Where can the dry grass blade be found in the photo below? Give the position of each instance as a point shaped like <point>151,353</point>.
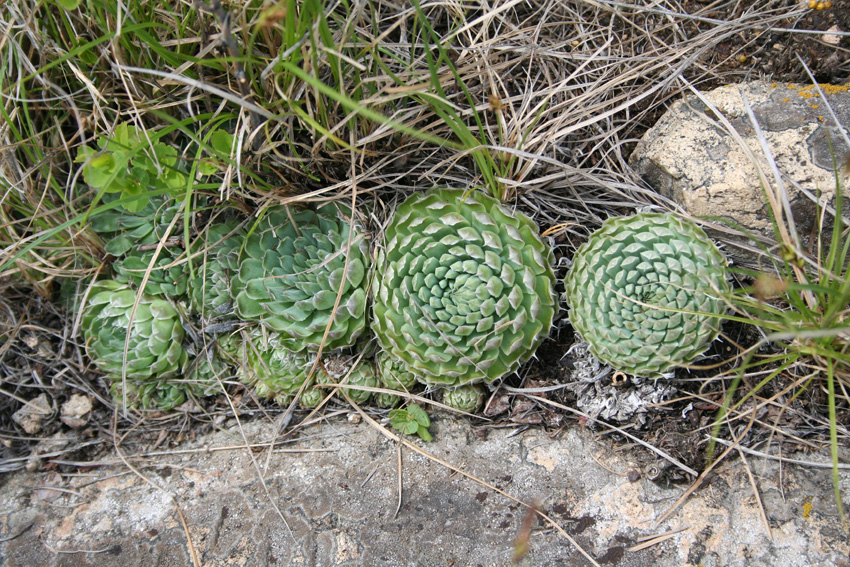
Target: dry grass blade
<point>649,541</point>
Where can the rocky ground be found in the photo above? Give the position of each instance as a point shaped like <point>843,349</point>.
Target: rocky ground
<point>337,489</point>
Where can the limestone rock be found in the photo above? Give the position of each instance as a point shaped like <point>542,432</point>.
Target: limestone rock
<point>32,415</point>
<point>691,158</point>
<point>76,411</point>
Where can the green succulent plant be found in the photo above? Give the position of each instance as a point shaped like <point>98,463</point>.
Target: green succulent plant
<point>167,278</point>
<point>463,291</point>
<point>384,400</point>
<point>466,398</point>
<point>163,395</point>
<point>204,374</point>
<point>210,291</point>
<point>646,292</point>
<point>123,230</point>
<point>275,372</point>
<point>363,374</point>
<point>393,373</point>
<point>311,398</point>
<point>292,268</point>
<point>154,350</point>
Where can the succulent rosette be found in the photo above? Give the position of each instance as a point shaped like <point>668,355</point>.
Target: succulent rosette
<point>646,292</point>
<point>393,373</point>
<point>292,268</point>
<point>275,373</point>
<point>386,401</point>
<point>162,395</point>
<point>363,374</point>
<point>463,290</point>
<point>154,339</point>
<point>124,230</point>
<point>167,277</point>
<point>210,291</point>
<point>466,398</point>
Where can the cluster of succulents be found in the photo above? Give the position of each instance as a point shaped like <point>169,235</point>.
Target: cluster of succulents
<point>279,288</point>
<point>462,292</point>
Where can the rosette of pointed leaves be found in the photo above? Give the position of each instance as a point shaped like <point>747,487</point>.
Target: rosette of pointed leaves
<point>293,266</point>
<point>163,395</point>
<point>210,291</point>
<point>311,398</point>
<point>167,276</point>
<point>124,230</point>
<point>204,375</point>
<point>385,400</point>
<point>275,373</point>
<point>463,289</point>
<point>645,292</point>
<point>363,374</point>
<point>466,398</point>
<point>153,340</point>
<point>393,373</point>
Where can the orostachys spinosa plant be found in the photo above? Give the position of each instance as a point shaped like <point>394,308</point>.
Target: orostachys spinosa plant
<point>646,293</point>
<point>294,264</point>
<point>463,290</point>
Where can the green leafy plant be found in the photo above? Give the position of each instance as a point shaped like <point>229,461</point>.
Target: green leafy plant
<point>167,276</point>
<point>210,291</point>
<point>802,305</point>
<point>393,373</point>
<point>647,292</point>
<point>131,162</point>
<point>411,420</point>
<point>272,370</point>
<point>123,230</point>
<point>463,290</point>
<point>154,339</point>
<point>295,265</point>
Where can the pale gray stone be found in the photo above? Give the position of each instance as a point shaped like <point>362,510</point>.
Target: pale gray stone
<point>32,415</point>
<point>691,157</point>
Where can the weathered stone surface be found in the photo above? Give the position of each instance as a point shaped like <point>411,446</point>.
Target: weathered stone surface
<point>338,496</point>
<point>32,415</point>
<point>76,411</point>
<point>690,157</point>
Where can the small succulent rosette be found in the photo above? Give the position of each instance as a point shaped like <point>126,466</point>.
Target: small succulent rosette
<point>646,293</point>
<point>275,372</point>
<point>154,339</point>
<point>292,268</point>
<point>210,291</point>
<point>155,357</point>
<point>463,290</point>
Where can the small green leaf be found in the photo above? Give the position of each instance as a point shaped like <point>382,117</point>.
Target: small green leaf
<point>419,416</point>
<point>424,434</point>
<point>222,142</point>
<point>411,427</point>
<point>207,168</point>
<point>98,171</point>
<point>136,205</point>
